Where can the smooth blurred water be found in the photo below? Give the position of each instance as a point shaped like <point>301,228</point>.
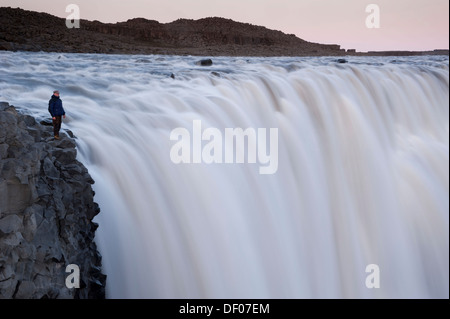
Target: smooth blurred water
<point>363,172</point>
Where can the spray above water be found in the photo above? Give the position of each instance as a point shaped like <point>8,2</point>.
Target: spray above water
<point>361,184</point>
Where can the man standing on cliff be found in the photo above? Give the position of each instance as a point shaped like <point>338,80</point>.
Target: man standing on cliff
<point>56,110</point>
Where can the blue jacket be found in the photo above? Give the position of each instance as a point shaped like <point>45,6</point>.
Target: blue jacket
<point>55,106</point>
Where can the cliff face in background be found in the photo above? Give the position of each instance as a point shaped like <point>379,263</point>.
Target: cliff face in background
<point>22,30</point>
<point>33,31</point>
<point>46,212</point>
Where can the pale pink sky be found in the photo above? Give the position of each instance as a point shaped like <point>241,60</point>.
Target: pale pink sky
<point>405,24</point>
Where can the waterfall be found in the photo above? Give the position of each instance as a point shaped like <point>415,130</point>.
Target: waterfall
<point>363,175</point>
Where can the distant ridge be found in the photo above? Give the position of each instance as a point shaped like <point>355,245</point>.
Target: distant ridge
<point>23,30</point>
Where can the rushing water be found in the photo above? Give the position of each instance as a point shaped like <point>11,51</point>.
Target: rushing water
<point>363,172</point>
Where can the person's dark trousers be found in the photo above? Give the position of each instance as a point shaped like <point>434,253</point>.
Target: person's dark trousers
<point>57,125</point>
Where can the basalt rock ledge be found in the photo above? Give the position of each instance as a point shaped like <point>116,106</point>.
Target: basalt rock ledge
<point>46,214</point>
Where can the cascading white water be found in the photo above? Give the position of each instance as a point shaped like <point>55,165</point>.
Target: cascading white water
<point>363,173</point>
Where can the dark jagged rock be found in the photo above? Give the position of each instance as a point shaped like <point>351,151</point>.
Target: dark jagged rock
<point>204,62</point>
<point>70,133</point>
<point>46,122</point>
<point>341,61</point>
<point>46,212</point>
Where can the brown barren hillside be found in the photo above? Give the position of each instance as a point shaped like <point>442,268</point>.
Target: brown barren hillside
<point>22,30</point>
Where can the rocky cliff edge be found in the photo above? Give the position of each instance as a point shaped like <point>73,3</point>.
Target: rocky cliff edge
<point>46,212</point>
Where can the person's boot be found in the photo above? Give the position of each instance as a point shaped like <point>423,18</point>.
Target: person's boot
<point>56,137</point>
